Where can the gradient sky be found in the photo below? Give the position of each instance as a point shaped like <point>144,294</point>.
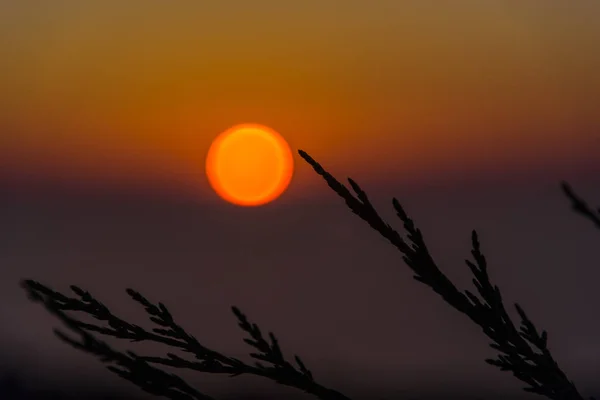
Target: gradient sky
<point>112,89</point>
<point>470,112</point>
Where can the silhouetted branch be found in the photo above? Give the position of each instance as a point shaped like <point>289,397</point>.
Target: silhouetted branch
<point>132,367</point>
<point>139,369</point>
<point>523,351</point>
<point>580,206</point>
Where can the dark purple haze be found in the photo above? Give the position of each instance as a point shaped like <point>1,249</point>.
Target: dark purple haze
<point>331,289</point>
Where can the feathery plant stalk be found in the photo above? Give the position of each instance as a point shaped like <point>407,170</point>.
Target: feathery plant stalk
<point>522,351</point>
<point>142,370</point>
<point>580,206</point>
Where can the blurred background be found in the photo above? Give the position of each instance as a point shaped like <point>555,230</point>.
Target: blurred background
<point>470,112</point>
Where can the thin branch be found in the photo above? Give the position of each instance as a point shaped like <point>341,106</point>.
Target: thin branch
<point>580,206</point>
<point>270,362</point>
<point>127,365</point>
<point>523,351</point>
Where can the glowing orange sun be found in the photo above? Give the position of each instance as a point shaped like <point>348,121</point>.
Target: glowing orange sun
<point>249,165</point>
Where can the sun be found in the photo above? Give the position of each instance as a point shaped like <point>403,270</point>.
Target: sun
<point>249,165</point>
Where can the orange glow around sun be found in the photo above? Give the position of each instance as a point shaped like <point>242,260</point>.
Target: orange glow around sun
<point>249,165</point>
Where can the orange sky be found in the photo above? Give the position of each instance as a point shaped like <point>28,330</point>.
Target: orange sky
<point>137,89</point>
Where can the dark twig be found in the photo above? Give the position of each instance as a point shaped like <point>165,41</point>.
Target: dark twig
<point>580,206</point>
<point>128,365</point>
<point>139,369</point>
<point>523,351</point>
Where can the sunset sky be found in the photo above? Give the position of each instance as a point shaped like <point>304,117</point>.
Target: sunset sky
<point>470,111</point>
<point>138,89</point>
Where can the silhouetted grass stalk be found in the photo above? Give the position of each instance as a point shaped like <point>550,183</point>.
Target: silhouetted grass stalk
<point>580,206</point>
<point>523,351</point>
<point>141,370</point>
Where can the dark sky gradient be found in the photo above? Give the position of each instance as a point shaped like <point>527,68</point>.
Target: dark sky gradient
<point>334,292</point>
